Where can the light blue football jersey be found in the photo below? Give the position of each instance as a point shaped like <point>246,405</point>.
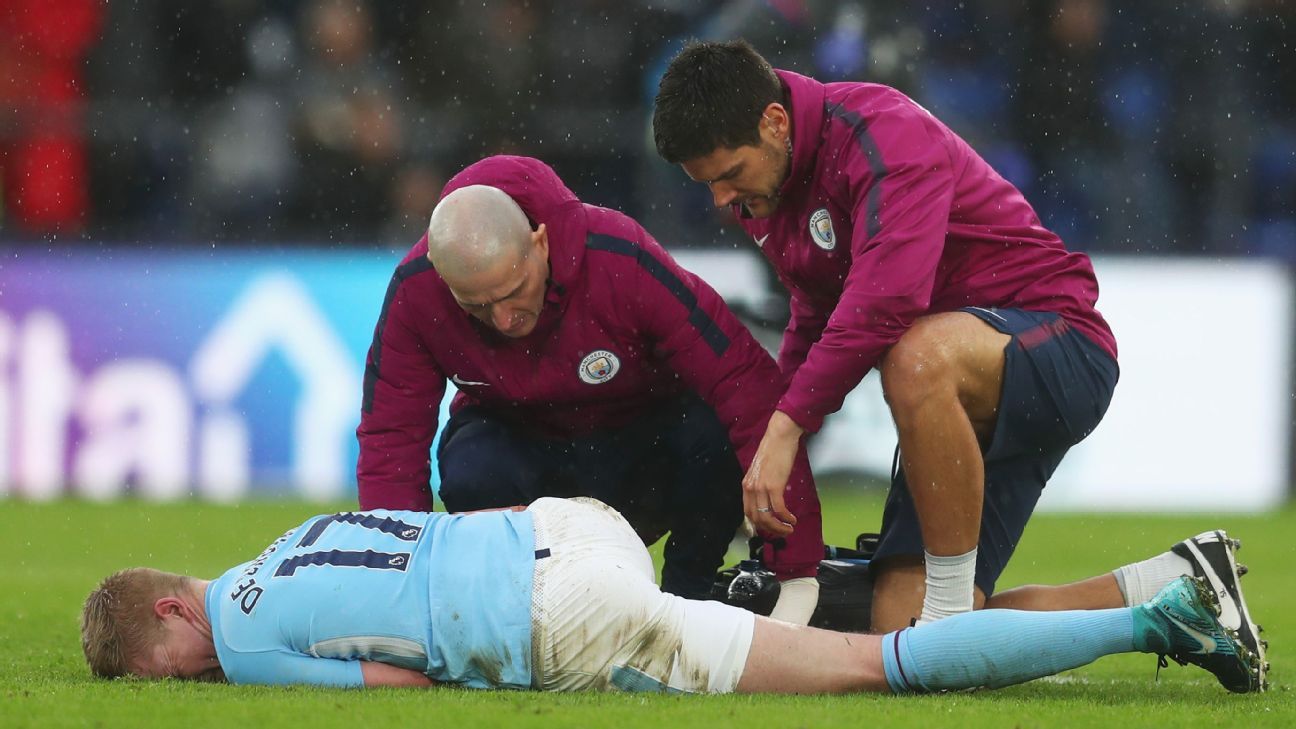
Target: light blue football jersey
<point>445,594</point>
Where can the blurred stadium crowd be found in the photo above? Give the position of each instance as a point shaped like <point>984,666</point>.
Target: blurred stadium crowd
<point>1157,126</point>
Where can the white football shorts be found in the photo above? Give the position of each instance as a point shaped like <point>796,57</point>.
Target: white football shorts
<point>599,621</point>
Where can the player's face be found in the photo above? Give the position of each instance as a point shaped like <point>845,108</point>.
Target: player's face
<point>184,652</point>
<point>750,175</point>
<point>509,296</point>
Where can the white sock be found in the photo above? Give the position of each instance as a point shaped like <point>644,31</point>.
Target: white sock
<point>798,598</point>
<point>949,586</point>
<point>1141,581</point>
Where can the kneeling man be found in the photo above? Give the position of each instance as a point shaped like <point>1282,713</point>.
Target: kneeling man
<point>588,363</point>
<point>559,596</point>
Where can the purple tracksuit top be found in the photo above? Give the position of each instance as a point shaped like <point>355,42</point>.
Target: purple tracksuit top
<point>887,215</point>
<point>623,329</point>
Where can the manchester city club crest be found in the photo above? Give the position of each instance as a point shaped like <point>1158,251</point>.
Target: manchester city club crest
<point>598,367</point>
<point>821,230</point>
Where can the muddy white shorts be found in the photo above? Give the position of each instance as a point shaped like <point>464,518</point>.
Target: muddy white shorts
<point>599,622</point>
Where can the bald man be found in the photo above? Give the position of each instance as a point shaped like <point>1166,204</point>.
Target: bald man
<point>587,363</point>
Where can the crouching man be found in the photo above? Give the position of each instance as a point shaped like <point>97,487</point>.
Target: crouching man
<point>559,596</point>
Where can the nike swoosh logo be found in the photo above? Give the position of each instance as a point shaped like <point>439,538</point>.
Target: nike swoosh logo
<point>761,240</point>
<point>1206,642</point>
<point>991,313</point>
<point>455,379</point>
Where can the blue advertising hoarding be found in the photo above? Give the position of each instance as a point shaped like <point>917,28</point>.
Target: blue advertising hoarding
<point>225,374</point>
<point>164,374</point>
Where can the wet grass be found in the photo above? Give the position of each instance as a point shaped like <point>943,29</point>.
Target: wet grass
<point>54,553</point>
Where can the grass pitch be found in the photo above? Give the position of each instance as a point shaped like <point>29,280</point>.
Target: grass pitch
<point>55,553</point>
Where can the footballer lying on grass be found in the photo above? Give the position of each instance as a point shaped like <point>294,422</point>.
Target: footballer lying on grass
<point>559,596</point>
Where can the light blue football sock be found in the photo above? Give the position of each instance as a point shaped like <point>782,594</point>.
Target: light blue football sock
<point>1001,647</point>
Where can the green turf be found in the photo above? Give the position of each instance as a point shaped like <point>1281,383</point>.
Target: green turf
<point>54,553</point>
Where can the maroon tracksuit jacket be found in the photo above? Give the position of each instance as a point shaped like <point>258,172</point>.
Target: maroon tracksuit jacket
<point>888,215</point>
<point>613,290</point>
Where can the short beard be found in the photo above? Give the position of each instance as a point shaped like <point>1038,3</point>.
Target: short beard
<point>781,176</point>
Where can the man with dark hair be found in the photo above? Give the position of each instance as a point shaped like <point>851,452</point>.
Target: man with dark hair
<point>588,363</point>
<point>903,250</point>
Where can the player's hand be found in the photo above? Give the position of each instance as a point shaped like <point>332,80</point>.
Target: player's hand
<point>767,478</point>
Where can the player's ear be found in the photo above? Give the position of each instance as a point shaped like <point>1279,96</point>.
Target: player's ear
<point>165,607</point>
<point>540,239</point>
<point>775,122</point>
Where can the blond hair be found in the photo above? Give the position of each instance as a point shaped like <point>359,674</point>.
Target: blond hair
<point>118,624</point>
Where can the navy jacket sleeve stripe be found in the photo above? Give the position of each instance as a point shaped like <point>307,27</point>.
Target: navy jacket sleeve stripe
<point>410,268</point>
<point>711,333</point>
<point>870,149</point>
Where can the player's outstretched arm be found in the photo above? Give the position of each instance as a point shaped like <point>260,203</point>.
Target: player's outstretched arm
<point>381,674</point>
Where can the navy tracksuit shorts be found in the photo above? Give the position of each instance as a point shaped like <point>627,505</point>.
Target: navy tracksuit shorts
<point>671,470</point>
